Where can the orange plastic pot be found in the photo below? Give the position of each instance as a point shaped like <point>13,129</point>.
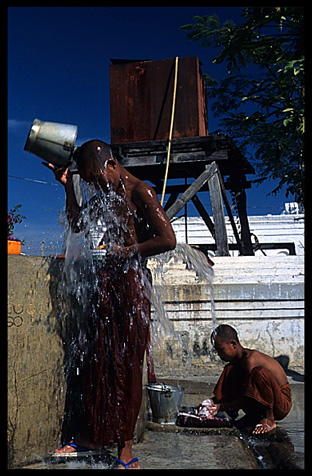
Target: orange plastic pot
<point>14,247</point>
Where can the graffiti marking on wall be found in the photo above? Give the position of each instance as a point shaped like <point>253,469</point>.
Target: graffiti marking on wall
<point>14,315</point>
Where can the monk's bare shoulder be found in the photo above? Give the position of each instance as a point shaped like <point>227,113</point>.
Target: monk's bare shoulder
<point>144,193</point>
<point>255,358</point>
<point>145,198</point>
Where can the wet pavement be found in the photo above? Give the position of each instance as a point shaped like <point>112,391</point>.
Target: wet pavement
<point>172,447</point>
<point>193,451</point>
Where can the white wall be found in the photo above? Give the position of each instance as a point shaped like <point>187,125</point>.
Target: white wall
<point>262,297</point>
<point>267,228</point>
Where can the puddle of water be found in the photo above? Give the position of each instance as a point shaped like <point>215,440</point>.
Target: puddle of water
<point>293,424</point>
<point>67,465</point>
<point>296,435</point>
<point>98,462</point>
<point>176,451</point>
<point>193,451</point>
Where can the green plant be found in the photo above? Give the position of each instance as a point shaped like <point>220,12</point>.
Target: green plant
<point>262,98</point>
<point>14,217</point>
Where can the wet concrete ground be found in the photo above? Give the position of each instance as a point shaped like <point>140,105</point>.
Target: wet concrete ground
<point>171,447</point>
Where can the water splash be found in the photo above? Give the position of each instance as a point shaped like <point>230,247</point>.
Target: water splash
<point>80,280</point>
<point>197,261</point>
<point>194,260</point>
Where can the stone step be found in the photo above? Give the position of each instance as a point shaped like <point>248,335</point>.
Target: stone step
<point>228,262</point>
<point>231,291</point>
<point>238,270</point>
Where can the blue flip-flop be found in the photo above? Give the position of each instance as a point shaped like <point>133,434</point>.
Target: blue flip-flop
<point>78,448</point>
<point>126,465</point>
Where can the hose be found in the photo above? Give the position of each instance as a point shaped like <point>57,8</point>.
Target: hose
<point>171,128</point>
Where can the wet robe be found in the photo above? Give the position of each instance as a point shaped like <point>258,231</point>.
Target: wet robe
<point>112,358</point>
<point>260,386</point>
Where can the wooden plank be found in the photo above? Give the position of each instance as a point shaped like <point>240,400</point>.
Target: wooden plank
<point>199,156</point>
<point>202,148</point>
<point>191,191</point>
<point>160,159</point>
<point>215,141</point>
<point>243,218</point>
<point>174,195</point>
<point>203,213</point>
<point>230,214</point>
<point>218,214</point>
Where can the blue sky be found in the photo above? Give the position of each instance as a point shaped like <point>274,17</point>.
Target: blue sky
<point>58,70</point>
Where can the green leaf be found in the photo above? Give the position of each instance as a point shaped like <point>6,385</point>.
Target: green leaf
<point>287,121</point>
<point>266,70</point>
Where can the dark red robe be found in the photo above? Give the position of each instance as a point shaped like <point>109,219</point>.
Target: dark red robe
<point>111,370</point>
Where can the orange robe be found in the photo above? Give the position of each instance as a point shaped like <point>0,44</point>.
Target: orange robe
<point>260,386</point>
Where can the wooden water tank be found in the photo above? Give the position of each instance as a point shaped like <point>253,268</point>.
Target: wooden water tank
<point>141,100</point>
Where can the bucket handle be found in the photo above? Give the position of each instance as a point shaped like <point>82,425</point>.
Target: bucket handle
<point>168,393</point>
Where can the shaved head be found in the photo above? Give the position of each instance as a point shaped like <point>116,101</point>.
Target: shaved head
<point>225,332</point>
<point>93,155</point>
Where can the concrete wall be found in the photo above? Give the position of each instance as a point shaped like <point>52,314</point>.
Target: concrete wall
<point>36,385</point>
<point>262,297</point>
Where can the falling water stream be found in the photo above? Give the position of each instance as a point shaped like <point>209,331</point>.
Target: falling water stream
<point>82,260</point>
<point>187,259</point>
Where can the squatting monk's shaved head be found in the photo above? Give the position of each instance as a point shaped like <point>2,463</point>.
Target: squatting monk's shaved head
<point>225,332</point>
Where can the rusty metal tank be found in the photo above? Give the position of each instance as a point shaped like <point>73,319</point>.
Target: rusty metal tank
<point>141,100</point>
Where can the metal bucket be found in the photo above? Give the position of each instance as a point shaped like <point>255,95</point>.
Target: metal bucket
<point>165,402</point>
<point>52,141</point>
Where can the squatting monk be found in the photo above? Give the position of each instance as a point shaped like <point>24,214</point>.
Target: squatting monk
<point>117,330</point>
<point>251,381</point>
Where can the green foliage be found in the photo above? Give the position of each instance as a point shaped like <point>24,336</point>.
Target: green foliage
<point>13,218</point>
<point>261,101</point>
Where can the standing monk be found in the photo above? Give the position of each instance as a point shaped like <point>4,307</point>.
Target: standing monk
<point>117,329</point>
